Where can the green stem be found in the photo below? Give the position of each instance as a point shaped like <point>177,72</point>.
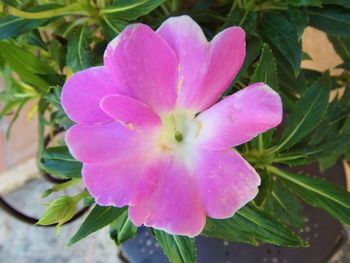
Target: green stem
<point>110,24</point>
<point>270,6</point>
<point>41,130</point>
<point>165,9</point>
<point>74,24</point>
<point>60,187</point>
<point>80,196</point>
<point>73,9</point>
<point>261,144</point>
<point>288,158</point>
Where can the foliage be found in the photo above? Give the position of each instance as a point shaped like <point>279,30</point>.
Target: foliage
<point>42,44</point>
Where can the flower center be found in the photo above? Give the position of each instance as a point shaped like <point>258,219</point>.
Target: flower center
<point>178,136</point>
<point>179,128</point>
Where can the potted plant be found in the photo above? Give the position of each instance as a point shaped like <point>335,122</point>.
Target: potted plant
<point>148,114</point>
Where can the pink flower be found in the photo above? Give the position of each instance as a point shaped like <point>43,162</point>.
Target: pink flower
<point>149,135</point>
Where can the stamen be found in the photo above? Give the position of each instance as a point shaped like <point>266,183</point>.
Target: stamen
<point>178,136</point>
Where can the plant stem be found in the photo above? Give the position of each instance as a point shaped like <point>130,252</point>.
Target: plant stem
<point>73,9</point>
<point>288,158</point>
<point>261,144</point>
<point>165,9</point>
<point>80,196</point>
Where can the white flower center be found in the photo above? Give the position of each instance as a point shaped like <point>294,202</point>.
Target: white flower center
<point>180,130</point>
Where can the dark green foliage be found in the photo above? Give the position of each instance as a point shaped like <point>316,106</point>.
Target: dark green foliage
<point>179,249</point>
<point>308,112</point>
<point>252,225</point>
<point>318,193</point>
<point>99,217</point>
<point>59,162</point>
<point>334,21</point>
<point>282,36</point>
<point>122,229</point>
<point>44,44</point>
<point>79,54</point>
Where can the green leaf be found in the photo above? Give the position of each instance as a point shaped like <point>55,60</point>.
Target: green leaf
<point>344,3</point>
<point>309,154</point>
<point>305,2</point>
<point>122,229</point>
<point>330,160</point>
<point>341,46</point>
<point>266,70</point>
<point>345,65</point>
<point>179,249</point>
<point>26,65</point>
<point>309,110</point>
<point>291,86</point>
<point>131,9</point>
<point>243,18</point>
<point>79,55</point>
<point>299,18</point>
<point>59,162</point>
<point>332,20</point>
<point>99,217</point>
<point>282,37</point>
<point>11,26</point>
<point>112,26</point>
<point>284,205</point>
<point>253,226</point>
<point>53,96</point>
<point>252,52</point>
<point>58,54</point>
<point>318,193</point>
<point>265,188</point>
<point>35,39</point>
<point>20,59</point>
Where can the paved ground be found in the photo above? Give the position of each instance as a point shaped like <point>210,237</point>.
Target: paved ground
<point>22,243</point>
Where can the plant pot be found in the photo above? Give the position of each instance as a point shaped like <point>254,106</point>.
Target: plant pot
<point>325,234</point>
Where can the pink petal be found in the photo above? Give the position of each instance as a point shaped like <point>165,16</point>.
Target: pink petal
<point>145,66</point>
<point>82,92</point>
<point>192,49</point>
<point>240,117</point>
<point>205,69</point>
<point>125,180</point>
<point>174,207</point>
<point>226,182</point>
<point>104,142</point>
<point>129,111</point>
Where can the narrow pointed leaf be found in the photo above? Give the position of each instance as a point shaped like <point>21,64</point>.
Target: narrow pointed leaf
<point>79,54</point>
<point>284,205</point>
<point>309,110</point>
<point>341,46</point>
<point>309,154</point>
<point>11,26</point>
<point>59,162</point>
<point>282,37</point>
<point>266,71</point>
<point>131,9</point>
<point>318,193</point>
<point>332,20</point>
<point>179,249</point>
<point>99,217</point>
<point>253,226</point>
<point>345,3</point>
<point>21,60</point>
<point>122,229</point>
